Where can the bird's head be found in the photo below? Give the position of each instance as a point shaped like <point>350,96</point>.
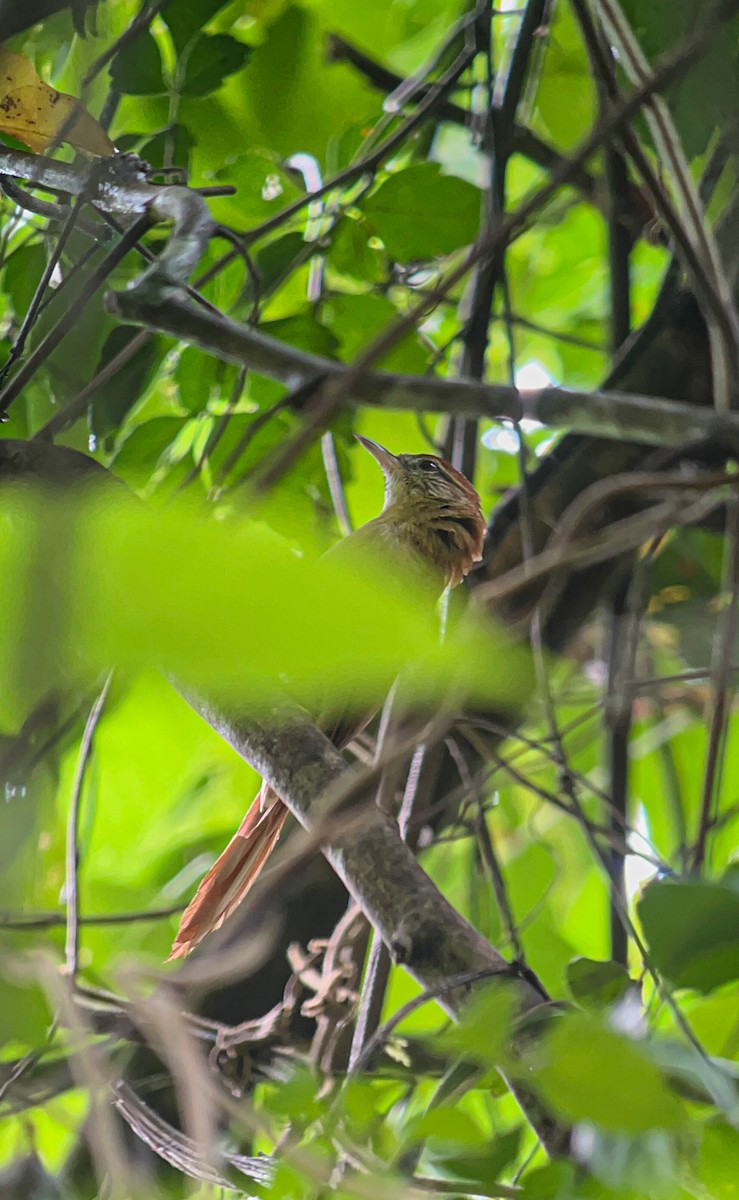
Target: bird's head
<point>430,491</point>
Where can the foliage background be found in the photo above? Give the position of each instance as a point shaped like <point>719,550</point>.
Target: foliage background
<point>647,1070</point>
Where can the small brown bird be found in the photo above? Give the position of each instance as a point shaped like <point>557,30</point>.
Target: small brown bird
<point>432,520</point>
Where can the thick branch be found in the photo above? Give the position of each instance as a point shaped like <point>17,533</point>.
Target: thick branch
<point>397,896</point>
<point>419,926</point>
<point>630,417</point>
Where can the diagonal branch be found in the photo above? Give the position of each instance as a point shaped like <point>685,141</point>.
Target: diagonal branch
<point>419,926</point>
<point>631,417</point>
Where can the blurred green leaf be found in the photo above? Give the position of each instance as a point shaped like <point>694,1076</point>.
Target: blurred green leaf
<point>137,67</point>
<point>296,1098</point>
<point>170,146</point>
<point>111,404</point>
<point>484,1026</point>
<point>290,100</point>
<point>21,274</point>
<point>274,261</point>
<point>702,99</point>
<point>420,213</point>
<point>263,188</point>
<point>211,59</point>
<point>479,1173</point>
<point>140,453</point>
<point>443,1127</point>
<point>692,929</point>
<point>185,21</point>
<point>557,1179</point>
<point>25,1015</point>
<point>597,984</point>
<point>305,332</point>
<point>566,72</point>
<point>195,377</point>
<point>586,1072</point>
<point>351,253</point>
<point>358,320</point>
<point>144,581</point>
<point>718,1164</point>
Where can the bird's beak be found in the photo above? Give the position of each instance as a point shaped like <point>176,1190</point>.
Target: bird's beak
<point>388,462</point>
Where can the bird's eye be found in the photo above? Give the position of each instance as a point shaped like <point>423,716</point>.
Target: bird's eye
<point>427,465</point>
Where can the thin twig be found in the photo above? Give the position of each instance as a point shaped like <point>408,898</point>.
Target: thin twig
<point>720,674</point>
<point>71,885</point>
<point>27,922</point>
<point>335,486</point>
<point>66,322</point>
<point>142,21</point>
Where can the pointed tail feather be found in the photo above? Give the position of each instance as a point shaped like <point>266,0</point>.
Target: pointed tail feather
<point>233,873</point>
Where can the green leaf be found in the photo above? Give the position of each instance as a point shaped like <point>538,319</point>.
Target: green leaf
<point>147,579</point>
<point>171,146</point>
<point>484,1026</point>
<point>444,1127</point>
<point>635,1168</point>
<point>351,253</point>
<point>23,270</point>
<point>305,332</point>
<point>111,404</point>
<point>263,188</point>
<point>291,101</point>
<point>142,450</point>
<point>137,67</point>
<point>296,1098</point>
<point>194,375</point>
<point>274,262</point>
<point>692,928</point>
<point>358,320</point>
<point>24,1011</point>
<point>420,213</point>
<point>586,1072</point>
<point>597,984</point>
<point>365,1101</point>
<point>185,21</point>
<point>565,97</point>
<point>705,99</point>
<point>210,61</point>
<point>483,1170</point>
<point>556,1181</point>
<point>718,1164</point>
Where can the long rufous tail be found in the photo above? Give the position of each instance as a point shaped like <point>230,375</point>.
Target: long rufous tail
<point>233,873</point>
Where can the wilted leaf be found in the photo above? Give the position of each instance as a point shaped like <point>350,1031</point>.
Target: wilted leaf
<point>39,116</point>
<point>692,927</point>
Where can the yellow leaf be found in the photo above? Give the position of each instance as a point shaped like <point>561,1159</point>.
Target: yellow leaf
<point>38,115</point>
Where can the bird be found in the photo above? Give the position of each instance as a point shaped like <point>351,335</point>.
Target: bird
<point>432,522</point>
